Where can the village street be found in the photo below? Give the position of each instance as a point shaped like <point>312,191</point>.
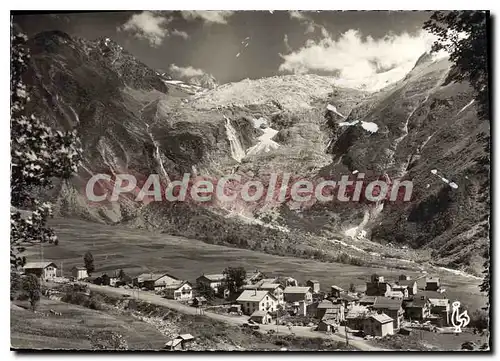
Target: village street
<point>234,320</point>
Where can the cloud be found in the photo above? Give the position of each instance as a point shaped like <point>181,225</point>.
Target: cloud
<point>180,72</point>
<point>209,16</point>
<point>287,45</point>
<point>180,33</point>
<point>149,26</point>
<point>309,23</point>
<point>359,61</point>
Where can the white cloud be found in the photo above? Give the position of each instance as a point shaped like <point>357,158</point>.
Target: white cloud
<point>310,24</point>
<point>180,33</point>
<point>209,16</point>
<point>365,63</point>
<point>148,26</point>
<point>180,72</point>
<point>295,14</point>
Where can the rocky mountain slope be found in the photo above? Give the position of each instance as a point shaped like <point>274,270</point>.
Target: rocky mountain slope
<point>132,119</point>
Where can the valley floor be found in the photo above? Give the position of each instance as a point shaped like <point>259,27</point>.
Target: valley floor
<point>137,251</point>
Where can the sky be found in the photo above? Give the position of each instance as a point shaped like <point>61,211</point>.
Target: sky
<point>352,45</point>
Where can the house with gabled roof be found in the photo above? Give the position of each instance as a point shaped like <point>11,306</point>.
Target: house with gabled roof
<point>154,281</point>
<point>378,324</point>
<point>45,270</point>
<point>257,300</point>
<point>314,285</point>
<point>179,291</point>
<point>297,294</point>
<point>335,291</point>
<point>214,281</point>
<point>276,289</point>
<point>418,308</point>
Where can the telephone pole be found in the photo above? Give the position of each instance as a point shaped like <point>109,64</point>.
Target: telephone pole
<point>346,336</point>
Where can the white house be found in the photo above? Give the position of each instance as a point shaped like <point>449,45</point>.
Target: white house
<point>180,291</point>
<point>79,272</point>
<point>257,300</point>
<point>213,281</point>
<point>275,289</point>
<point>44,270</point>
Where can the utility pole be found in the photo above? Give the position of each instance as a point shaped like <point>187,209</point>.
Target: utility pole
<point>346,336</point>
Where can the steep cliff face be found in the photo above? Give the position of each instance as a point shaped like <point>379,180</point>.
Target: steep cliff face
<point>127,118</point>
<point>428,130</point>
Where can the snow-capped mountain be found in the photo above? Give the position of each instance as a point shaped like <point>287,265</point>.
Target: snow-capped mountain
<point>137,120</point>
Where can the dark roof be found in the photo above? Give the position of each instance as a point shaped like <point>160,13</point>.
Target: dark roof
<point>387,303</point>
<point>406,282</point>
<point>417,302</point>
<point>432,294</point>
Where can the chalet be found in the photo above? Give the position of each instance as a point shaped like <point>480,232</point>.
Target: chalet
<point>79,273</point>
<point>322,307</point>
<point>327,325</point>
<point>179,291</point>
<point>154,281</point>
<point>377,286</point>
<point>355,317</point>
<point>367,300</point>
<point>432,284</point>
<point>411,286</point>
<point>378,325</point>
<point>391,307</point>
<point>335,291</point>
<point>44,270</point>
<point>262,317</point>
<point>254,277</point>
<point>404,278</point>
<point>441,308</point>
<point>337,313</point>
<point>214,281</point>
<point>314,285</point>
<point>417,309</point>
<point>276,289</point>
<point>296,294</point>
<point>180,342</point>
<point>253,300</point>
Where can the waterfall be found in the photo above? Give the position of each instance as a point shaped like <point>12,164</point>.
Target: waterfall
<point>157,155</point>
<point>237,151</point>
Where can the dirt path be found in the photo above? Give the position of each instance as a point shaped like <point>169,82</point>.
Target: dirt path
<point>233,320</point>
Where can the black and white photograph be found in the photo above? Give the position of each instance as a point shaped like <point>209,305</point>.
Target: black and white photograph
<point>236,180</point>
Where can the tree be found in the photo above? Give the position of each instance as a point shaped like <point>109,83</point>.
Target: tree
<point>485,285</point>
<point>88,260</point>
<point>31,286</point>
<point>121,275</point>
<point>352,288</point>
<point>464,35</point>
<point>38,155</point>
<point>205,291</point>
<point>234,278</point>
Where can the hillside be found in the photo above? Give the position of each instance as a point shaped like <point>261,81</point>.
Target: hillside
<point>132,119</point>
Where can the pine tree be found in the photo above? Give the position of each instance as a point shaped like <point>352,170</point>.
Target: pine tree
<point>88,260</point>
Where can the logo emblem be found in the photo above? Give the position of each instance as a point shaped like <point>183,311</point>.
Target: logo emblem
<point>458,320</point>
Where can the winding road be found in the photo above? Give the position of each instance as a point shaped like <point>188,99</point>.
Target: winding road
<point>300,331</point>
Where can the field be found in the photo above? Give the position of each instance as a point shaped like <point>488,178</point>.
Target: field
<point>43,330</point>
<point>136,251</point>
